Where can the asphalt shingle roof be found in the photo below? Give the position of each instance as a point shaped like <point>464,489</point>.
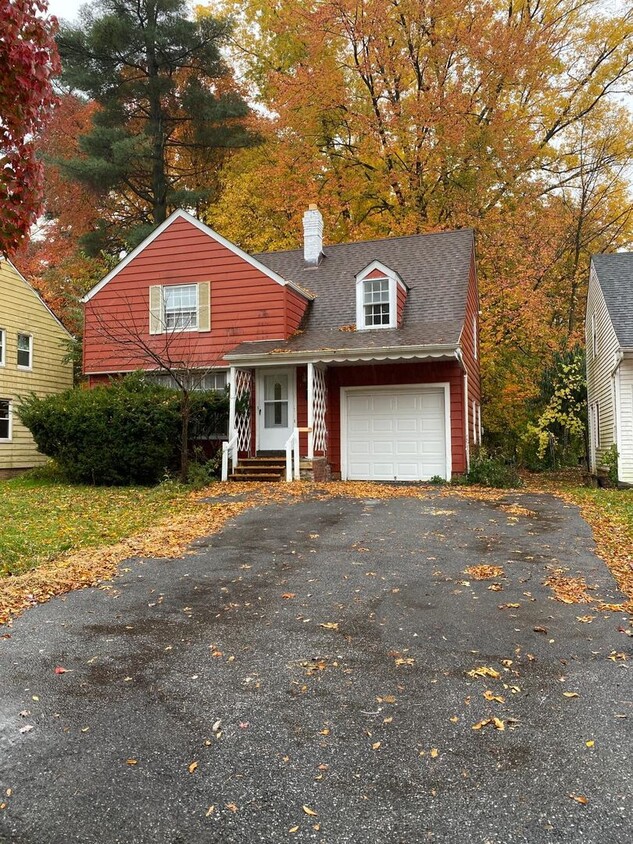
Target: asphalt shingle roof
<point>435,268</point>
<point>615,276</point>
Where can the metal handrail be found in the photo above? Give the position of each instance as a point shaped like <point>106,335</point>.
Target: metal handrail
<point>229,445</point>
<point>292,450</point>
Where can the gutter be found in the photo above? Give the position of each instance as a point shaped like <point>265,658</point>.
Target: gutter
<point>334,355</point>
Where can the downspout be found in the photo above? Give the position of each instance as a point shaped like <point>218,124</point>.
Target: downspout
<point>460,359</point>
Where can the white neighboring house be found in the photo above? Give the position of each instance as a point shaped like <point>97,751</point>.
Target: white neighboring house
<point>609,337</point>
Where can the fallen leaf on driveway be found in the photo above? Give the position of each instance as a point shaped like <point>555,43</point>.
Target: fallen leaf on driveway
<point>210,811</point>
<point>310,811</point>
<point>490,696</point>
<point>571,694</point>
<point>375,745</point>
<point>497,723</point>
<point>26,728</point>
<point>131,761</point>
<point>579,798</point>
<point>434,753</point>
<point>386,699</point>
<point>288,595</point>
<point>193,767</point>
<point>231,807</point>
<point>329,625</point>
<point>539,629</point>
<point>484,572</point>
<point>216,726</point>
<point>614,656</point>
<point>585,619</point>
<point>590,743</point>
<point>484,671</point>
<point>60,670</point>
<point>293,829</point>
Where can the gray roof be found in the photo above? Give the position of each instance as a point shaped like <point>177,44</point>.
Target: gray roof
<point>434,267</point>
<point>615,276</point>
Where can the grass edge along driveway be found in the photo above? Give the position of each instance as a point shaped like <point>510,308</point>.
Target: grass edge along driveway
<point>58,537</point>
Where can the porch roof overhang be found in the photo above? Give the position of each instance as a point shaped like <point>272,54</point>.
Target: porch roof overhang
<point>446,352</point>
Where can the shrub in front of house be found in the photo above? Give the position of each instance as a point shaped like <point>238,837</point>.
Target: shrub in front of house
<point>487,469</point>
<point>127,432</point>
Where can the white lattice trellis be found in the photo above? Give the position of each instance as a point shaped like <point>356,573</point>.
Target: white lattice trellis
<point>243,387</point>
<point>319,404</point>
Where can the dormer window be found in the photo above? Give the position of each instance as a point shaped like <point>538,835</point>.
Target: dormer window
<point>376,302</point>
<point>380,295</point>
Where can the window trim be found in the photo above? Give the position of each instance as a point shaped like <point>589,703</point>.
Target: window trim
<point>157,311</point>
<point>394,280</point>
<point>10,409</point>
<point>163,307</point>
<point>3,347</point>
<point>20,366</point>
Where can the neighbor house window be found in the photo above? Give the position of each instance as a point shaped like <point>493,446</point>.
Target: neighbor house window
<point>5,420</point>
<point>25,351</point>
<point>376,297</point>
<point>3,346</point>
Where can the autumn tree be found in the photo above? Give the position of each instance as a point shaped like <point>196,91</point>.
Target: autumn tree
<point>405,116</point>
<point>167,110</point>
<point>28,63</point>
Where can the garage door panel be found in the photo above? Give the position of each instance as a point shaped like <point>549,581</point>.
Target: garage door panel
<point>396,434</point>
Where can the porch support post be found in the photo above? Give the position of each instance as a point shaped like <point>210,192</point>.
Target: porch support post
<point>231,402</point>
<point>310,411</point>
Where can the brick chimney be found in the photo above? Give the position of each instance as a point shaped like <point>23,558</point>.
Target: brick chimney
<point>312,236</point>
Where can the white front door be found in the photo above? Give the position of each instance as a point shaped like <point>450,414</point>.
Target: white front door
<point>276,408</point>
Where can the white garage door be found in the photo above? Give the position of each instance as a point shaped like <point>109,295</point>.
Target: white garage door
<point>395,435</point>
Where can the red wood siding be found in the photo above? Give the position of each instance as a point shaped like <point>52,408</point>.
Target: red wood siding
<point>245,303</point>
<point>471,362</point>
<point>374,274</point>
<point>401,294</point>
<point>295,309</point>
<point>302,407</point>
<point>394,374</point>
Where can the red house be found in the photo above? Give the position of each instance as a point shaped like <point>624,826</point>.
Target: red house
<point>360,357</point>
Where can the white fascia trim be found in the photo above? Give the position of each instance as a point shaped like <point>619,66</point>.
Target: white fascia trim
<point>378,265</point>
<point>219,368</point>
<point>180,214</point>
<point>37,295</point>
<point>346,355</point>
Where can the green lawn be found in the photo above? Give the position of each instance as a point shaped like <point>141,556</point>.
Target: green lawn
<point>41,517</point>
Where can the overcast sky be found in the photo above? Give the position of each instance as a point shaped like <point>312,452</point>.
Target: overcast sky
<point>64,9</point>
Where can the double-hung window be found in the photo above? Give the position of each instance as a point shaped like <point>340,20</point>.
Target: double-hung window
<point>25,351</point>
<point>5,420</point>
<point>376,302</point>
<point>3,347</point>
<point>180,303</point>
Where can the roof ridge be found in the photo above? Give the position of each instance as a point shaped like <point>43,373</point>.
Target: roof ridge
<point>371,240</point>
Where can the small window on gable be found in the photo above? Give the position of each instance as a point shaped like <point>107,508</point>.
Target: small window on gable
<point>376,298</point>
<point>175,308</point>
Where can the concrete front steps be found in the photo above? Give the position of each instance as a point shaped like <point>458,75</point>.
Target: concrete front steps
<point>271,469</point>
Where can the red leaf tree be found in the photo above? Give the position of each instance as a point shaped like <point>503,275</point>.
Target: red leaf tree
<point>28,63</point>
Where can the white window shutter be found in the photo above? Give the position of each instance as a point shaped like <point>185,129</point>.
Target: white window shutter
<point>204,306</point>
<point>156,309</point>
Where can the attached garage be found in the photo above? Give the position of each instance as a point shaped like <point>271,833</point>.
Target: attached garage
<point>395,434</point>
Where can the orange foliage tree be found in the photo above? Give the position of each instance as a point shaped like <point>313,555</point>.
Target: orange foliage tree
<point>404,116</point>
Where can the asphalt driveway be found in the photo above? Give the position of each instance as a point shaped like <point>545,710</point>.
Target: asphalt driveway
<point>314,673</point>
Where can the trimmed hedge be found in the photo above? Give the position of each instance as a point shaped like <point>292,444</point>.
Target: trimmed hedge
<point>127,432</point>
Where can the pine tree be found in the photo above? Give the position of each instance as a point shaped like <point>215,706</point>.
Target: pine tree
<point>168,110</point>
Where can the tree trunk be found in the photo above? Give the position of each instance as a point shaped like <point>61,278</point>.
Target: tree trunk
<point>185,415</point>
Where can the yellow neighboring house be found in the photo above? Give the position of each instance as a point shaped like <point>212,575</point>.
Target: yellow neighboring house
<point>32,350</point>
